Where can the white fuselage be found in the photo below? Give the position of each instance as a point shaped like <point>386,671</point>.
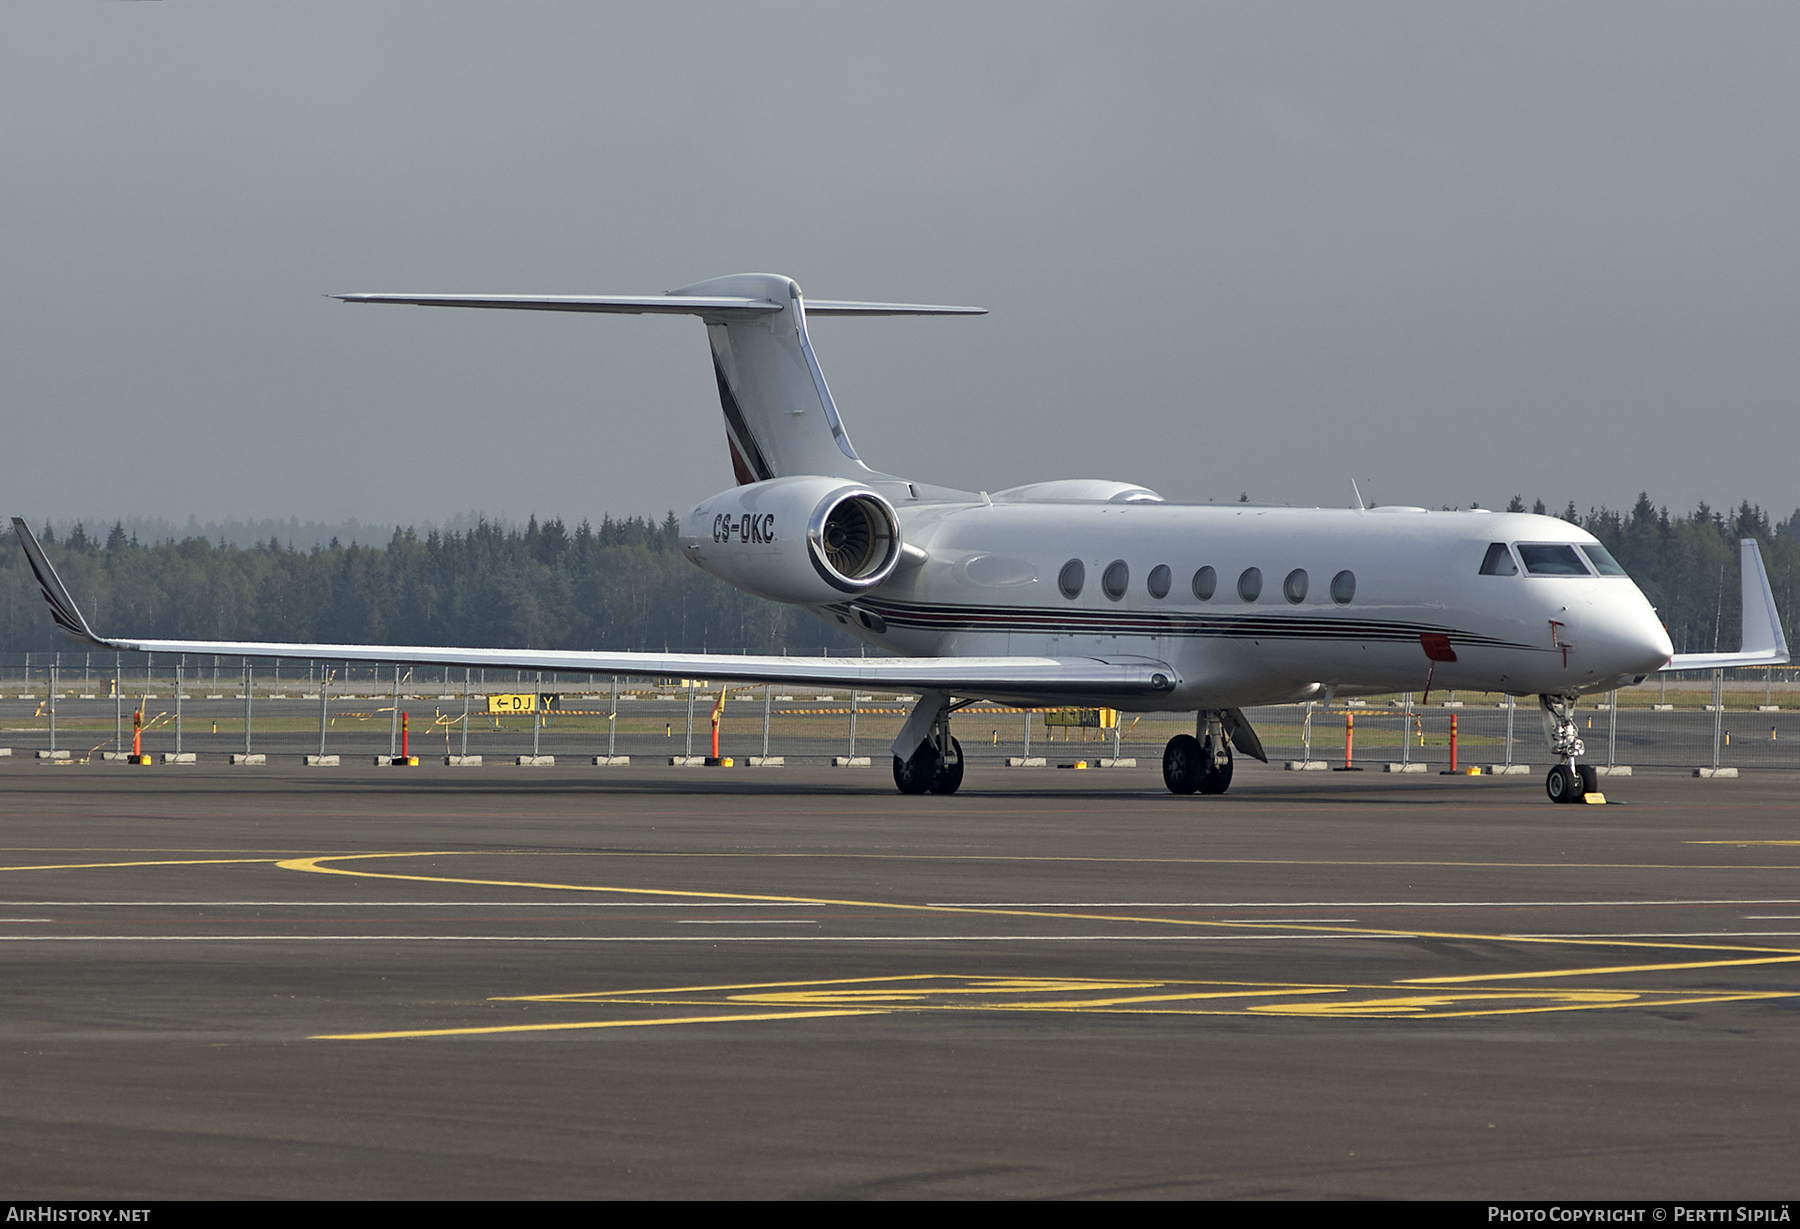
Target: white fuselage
<point>989,586</point>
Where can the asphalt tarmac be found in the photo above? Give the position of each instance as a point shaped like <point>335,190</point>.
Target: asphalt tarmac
<point>656,982</point>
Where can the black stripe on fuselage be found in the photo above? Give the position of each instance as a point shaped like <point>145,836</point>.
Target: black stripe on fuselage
<point>1071,622</point>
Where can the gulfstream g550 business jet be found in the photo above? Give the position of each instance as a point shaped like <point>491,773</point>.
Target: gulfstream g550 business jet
<point>1087,592</point>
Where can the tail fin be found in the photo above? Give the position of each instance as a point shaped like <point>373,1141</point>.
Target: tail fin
<point>779,415</point>
<point>780,419</point>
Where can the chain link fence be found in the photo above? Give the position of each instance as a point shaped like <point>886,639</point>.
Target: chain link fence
<point>1746,719</point>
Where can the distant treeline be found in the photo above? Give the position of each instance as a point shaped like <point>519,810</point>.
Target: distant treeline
<point>624,585</point>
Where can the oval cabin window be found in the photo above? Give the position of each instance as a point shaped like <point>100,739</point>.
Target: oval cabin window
<point>1071,578</point>
<point>1115,579</point>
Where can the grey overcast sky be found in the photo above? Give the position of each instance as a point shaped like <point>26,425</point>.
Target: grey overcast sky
<point>1453,251</point>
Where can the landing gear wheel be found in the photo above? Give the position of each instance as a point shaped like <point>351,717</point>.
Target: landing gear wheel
<point>1590,779</point>
<point>1184,766</point>
<point>1217,779</point>
<point>948,778</point>
<point>918,774</point>
<point>1563,783</point>
<point>928,772</point>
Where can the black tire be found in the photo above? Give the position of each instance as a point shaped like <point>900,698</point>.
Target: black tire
<point>916,775</point>
<point>1562,784</point>
<point>949,776</point>
<point>1216,780</point>
<point>1590,779</point>
<point>1183,766</point>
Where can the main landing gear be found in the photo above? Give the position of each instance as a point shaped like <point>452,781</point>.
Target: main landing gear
<point>937,766</point>
<point>1199,764</point>
<point>1568,781</point>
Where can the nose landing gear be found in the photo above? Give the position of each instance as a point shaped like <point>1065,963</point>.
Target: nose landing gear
<point>1568,781</point>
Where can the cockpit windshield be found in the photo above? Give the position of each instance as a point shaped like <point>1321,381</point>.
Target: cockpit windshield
<point>1552,560</point>
<point>1602,560</point>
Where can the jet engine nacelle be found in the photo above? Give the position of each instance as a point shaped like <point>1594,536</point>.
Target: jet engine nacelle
<point>805,540</point>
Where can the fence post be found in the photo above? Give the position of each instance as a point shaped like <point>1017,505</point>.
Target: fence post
<point>1406,729</point>
<point>612,721</point>
<point>1509,731</point>
<point>768,696</point>
<point>689,753</point>
<point>537,714</point>
<point>394,720</point>
<point>1718,712</point>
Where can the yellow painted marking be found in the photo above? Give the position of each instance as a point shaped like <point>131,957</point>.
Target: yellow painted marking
<point>1741,843</point>
<point>315,865</point>
<point>582,1024</point>
<point>778,855</point>
<point>919,993</point>
<point>1595,972</point>
<point>581,995</point>
<point>89,866</point>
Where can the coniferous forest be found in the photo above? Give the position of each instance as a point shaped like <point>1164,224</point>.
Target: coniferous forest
<point>623,585</point>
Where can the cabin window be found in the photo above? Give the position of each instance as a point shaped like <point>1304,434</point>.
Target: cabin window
<point>1602,560</point>
<point>1294,587</point>
<point>1498,561</point>
<point>1206,583</point>
<point>1115,579</point>
<point>1343,587</point>
<point>1557,560</point>
<point>1159,580</point>
<point>1071,578</point>
<point>1250,584</point>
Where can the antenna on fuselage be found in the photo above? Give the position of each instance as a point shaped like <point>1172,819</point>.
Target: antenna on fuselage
<point>1360,507</point>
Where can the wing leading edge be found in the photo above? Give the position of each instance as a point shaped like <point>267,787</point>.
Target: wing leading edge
<point>672,304</point>
<point>967,676</point>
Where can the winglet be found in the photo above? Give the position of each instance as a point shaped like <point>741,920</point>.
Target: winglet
<point>1762,624</point>
<point>1763,642</point>
<point>62,607</point>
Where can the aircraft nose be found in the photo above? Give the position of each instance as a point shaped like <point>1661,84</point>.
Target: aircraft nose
<point>1634,641</point>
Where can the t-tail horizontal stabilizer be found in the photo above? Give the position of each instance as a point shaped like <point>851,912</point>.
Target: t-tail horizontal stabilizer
<point>1763,643</point>
<point>780,418</point>
<point>1067,679</point>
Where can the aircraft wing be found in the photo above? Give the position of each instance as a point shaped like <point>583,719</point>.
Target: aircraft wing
<point>1763,643</point>
<point>720,306</point>
<point>968,676</point>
